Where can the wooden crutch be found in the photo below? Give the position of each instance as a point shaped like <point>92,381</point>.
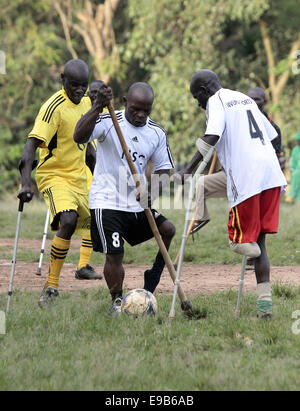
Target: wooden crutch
<point>185,303</point>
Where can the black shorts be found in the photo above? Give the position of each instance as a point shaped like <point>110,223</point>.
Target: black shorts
<point>109,229</point>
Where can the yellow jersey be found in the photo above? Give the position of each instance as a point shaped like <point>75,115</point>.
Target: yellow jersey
<point>62,161</point>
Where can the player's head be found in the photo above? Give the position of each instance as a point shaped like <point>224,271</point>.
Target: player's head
<point>138,103</point>
<point>75,79</point>
<point>259,96</point>
<point>204,84</point>
<point>93,90</point>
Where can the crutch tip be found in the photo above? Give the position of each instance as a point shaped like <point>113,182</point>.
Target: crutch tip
<point>38,271</point>
<point>186,305</point>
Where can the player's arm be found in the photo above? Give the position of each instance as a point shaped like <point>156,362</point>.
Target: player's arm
<point>215,114</point>
<point>41,135</point>
<point>204,144</point>
<point>27,159</point>
<point>85,126</point>
<point>274,134</point>
<point>90,157</point>
<point>163,164</point>
<point>159,179</point>
<point>157,185</point>
<point>276,142</point>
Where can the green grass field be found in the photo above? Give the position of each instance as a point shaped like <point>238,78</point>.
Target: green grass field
<point>210,245</point>
<point>75,345</point>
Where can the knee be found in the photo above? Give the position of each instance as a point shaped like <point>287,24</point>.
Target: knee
<point>68,221</point>
<point>168,230</point>
<point>114,259</point>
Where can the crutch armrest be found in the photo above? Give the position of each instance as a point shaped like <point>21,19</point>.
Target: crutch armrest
<point>203,147</point>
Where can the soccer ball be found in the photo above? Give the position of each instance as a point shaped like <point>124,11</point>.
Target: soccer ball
<point>139,302</point>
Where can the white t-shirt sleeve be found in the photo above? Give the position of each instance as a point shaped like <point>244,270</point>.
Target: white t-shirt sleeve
<point>215,115</point>
<point>162,157</point>
<point>270,130</point>
<point>99,129</point>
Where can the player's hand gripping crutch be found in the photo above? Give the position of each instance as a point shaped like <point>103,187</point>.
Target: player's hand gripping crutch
<point>185,303</point>
<point>39,269</point>
<point>12,273</point>
<point>193,180</point>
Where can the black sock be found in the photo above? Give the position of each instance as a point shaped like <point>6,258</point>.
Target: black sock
<point>152,277</point>
<point>115,295</point>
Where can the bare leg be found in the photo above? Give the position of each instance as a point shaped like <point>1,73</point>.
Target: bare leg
<point>68,221</point>
<point>152,277</point>
<point>262,265</point>
<point>262,272</point>
<point>114,274</point>
<point>167,231</point>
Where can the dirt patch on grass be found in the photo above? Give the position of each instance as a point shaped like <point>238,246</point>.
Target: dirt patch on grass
<point>34,245</point>
<point>195,279</point>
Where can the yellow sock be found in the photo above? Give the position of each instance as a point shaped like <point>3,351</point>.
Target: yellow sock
<point>86,250</point>
<point>59,251</point>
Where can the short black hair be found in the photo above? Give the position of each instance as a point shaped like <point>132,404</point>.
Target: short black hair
<point>145,88</point>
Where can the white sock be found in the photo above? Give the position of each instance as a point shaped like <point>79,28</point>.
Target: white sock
<point>264,291</point>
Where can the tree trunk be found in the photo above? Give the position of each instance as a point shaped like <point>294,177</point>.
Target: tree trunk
<point>94,23</point>
<point>276,83</point>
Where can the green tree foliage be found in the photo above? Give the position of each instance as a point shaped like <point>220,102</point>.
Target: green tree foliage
<point>34,41</point>
<point>160,41</point>
<point>33,51</point>
<point>282,23</point>
<point>172,40</point>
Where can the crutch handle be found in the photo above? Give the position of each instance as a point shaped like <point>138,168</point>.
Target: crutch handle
<point>21,205</point>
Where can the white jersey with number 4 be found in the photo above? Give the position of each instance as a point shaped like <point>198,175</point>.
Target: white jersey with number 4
<point>113,186</point>
<point>244,147</point>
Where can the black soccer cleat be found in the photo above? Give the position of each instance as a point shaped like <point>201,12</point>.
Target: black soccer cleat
<point>87,273</point>
<point>48,297</point>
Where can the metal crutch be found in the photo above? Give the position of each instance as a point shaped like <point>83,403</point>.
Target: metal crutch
<point>39,269</point>
<point>12,273</point>
<point>241,284</point>
<point>199,171</point>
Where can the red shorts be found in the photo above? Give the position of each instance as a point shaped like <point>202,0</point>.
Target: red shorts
<point>257,214</point>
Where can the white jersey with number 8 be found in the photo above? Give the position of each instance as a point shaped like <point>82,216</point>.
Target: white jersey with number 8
<point>113,186</point>
<point>244,148</point>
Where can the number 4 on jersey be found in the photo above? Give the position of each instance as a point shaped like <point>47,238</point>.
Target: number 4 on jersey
<point>255,132</point>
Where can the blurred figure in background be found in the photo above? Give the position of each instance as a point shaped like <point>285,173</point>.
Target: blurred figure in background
<point>294,194</point>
